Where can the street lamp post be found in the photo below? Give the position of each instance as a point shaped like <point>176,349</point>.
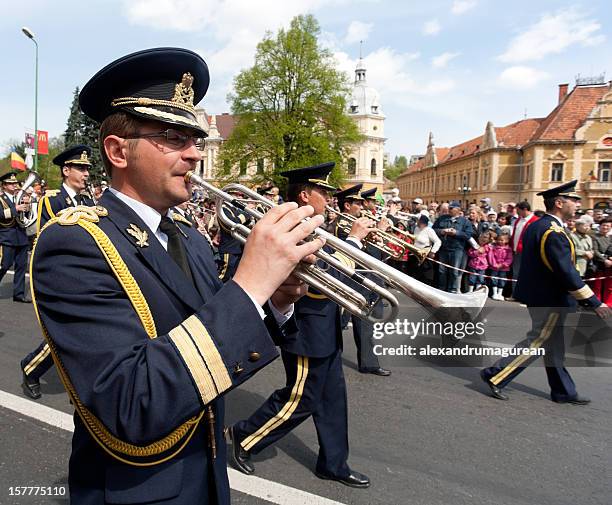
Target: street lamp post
<point>464,190</point>
<point>29,34</point>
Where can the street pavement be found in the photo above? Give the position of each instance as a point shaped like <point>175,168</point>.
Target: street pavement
<point>426,435</point>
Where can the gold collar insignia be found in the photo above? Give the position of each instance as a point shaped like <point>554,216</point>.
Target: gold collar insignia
<point>141,236</point>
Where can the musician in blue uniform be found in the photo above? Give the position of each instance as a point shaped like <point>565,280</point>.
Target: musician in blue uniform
<point>230,248</point>
<point>550,285</point>
<point>311,349</point>
<point>74,165</point>
<point>13,238</point>
<point>352,202</point>
<point>143,334</point>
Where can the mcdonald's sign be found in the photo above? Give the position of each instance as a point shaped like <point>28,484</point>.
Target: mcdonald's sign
<point>43,142</point>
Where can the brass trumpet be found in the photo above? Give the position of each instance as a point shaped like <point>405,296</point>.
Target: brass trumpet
<point>389,243</point>
<point>469,305</point>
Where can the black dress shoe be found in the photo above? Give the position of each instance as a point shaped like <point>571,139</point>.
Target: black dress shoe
<point>240,457</point>
<point>495,391</point>
<point>22,299</point>
<point>383,372</point>
<point>31,387</point>
<point>354,479</point>
<point>576,400</point>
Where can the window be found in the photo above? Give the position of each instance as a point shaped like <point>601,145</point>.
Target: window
<point>556,172</point>
<point>373,167</point>
<point>260,166</point>
<point>354,109</point>
<point>485,177</point>
<point>352,166</point>
<point>605,167</point>
<point>243,166</point>
<point>374,109</point>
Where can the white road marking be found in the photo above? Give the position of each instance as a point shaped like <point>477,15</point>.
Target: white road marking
<point>247,484</point>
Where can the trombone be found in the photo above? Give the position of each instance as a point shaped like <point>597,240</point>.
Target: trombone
<point>468,305</point>
<point>25,218</point>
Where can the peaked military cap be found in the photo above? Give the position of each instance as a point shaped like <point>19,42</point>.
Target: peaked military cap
<point>568,190</point>
<point>77,155</point>
<point>8,178</point>
<point>161,84</point>
<point>351,193</point>
<point>369,194</point>
<point>317,175</point>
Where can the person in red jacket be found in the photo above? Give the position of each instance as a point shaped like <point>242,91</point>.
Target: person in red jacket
<point>526,217</point>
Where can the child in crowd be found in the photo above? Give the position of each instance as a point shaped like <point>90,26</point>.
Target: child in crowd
<point>500,261</point>
<point>478,262</point>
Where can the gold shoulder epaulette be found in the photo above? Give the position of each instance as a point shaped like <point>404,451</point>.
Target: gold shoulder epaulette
<point>72,215</point>
<point>52,192</point>
<point>556,227</point>
<point>180,218</point>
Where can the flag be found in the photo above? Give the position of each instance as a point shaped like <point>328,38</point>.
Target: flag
<point>17,161</point>
<point>43,142</point>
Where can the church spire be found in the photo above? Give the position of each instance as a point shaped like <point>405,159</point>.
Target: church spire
<point>360,71</point>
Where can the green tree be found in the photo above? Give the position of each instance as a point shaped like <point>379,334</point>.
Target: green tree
<point>392,172</point>
<point>291,106</point>
<point>80,129</point>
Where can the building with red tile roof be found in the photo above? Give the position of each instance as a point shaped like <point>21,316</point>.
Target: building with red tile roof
<point>514,162</point>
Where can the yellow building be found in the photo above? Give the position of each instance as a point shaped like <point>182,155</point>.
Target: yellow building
<point>514,162</point>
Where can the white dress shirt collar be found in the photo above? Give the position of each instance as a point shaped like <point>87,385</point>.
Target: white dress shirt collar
<point>71,192</point>
<point>149,215</point>
<point>559,220</point>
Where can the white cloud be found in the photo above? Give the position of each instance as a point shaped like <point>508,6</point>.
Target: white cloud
<point>357,31</point>
<point>390,74</point>
<point>461,6</point>
<point>519,77</point>
<point>442,60</point>
<point>431,27</point>
<point>234,27</point>
<point>553,33</point>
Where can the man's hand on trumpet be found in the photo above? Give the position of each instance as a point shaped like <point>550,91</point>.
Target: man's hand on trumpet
<point>362,227</point>
<point>273,250</point>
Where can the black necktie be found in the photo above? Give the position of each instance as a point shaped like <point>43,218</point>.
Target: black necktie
<point>80,199</point>
<point>176,249</point>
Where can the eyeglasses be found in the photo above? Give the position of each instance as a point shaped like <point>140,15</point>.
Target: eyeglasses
<point>174,138</point>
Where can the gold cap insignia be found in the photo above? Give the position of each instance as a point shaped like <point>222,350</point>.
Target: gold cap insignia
<point>141,236</point>
<point>183,91</point>
<point>84,156</point>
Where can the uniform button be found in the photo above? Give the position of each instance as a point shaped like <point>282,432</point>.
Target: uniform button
<point>238,368</point>
<point>254,356</point>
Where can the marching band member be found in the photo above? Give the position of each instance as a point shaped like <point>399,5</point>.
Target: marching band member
<point>311,349</point>
<point>144,336</point>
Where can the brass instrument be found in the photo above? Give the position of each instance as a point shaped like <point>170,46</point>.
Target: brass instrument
<point>89,189</point>
<point>468,305</point>
<point>387,240</point>
<point>26,218</point>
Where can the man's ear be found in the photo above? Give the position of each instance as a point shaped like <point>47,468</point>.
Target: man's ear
<point>116,150</point>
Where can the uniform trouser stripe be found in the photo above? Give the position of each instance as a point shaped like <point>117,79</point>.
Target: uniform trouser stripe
<point>288,409</point>
<point>544,335</point>
<point>36,360</point>
<point>226,258</point>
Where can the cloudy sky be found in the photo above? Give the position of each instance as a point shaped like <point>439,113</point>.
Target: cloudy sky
<point>446,66</point>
